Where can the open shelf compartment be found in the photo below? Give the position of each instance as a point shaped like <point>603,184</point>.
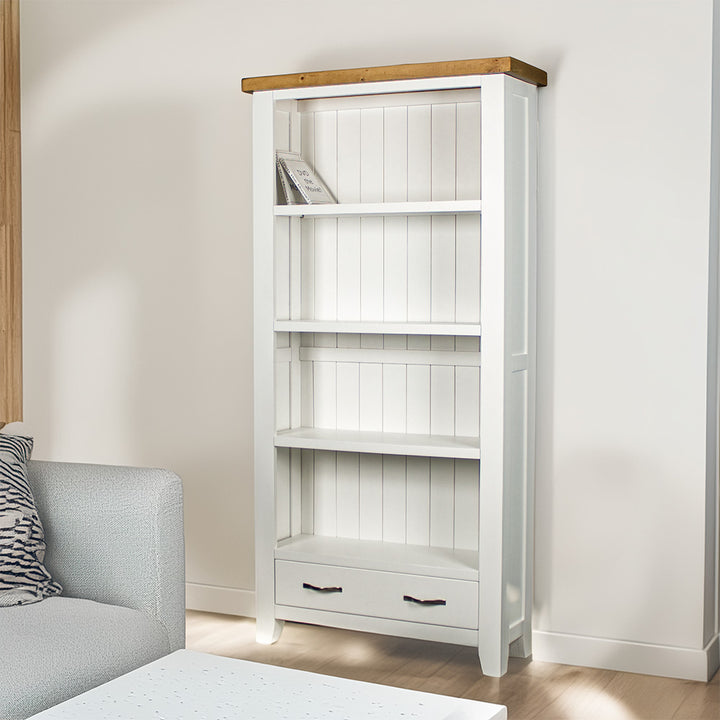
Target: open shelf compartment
<point>377,555</point>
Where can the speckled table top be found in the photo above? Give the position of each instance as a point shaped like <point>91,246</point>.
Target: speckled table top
<point>188,685</point>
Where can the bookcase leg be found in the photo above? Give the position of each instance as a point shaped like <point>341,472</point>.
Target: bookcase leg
<point>493,661</point>
<point>268,630</point>
<point>522,647</point>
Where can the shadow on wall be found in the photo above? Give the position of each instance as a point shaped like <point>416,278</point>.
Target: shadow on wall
<point>125,294</point>
<point>118,241</point>
<point>625,513</point>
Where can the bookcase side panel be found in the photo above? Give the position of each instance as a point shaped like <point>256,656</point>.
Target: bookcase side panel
<point>263,351</point>
<point>493,628</point>
<point>520,338</point>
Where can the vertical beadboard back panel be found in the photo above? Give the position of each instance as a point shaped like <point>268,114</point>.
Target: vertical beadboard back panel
<point>421,501</point>
<point>329,381</point>
<point>404,147</point>
<point>417,269</point>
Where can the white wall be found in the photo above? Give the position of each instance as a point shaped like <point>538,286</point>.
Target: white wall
<point>137,241</point>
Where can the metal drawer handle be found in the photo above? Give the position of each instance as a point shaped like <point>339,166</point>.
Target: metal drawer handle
<point>308,586</point>
<point>410,598</point>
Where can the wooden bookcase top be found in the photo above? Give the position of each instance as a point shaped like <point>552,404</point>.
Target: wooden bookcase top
<point>486,66</point>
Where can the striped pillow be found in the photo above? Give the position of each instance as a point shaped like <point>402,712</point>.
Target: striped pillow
<point>23,577</point>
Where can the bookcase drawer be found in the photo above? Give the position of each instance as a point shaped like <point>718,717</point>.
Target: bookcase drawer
<point>395,596</point>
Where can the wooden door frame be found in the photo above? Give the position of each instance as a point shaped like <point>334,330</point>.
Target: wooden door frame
<point>11,400</point>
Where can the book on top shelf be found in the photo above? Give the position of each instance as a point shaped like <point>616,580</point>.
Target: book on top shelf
<point>299,182</point>
<point>287,192</point>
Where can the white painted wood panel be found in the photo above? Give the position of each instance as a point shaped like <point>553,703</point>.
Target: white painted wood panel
<point>377,93</point>
<point>348,269</point>
<point>385,443</point>
<point>467,486</point>
<point>325,493</point>
<point>444,126</point>
<point>419,153</point>
<point>371,396</point>
<point>307,269</point>
<point>365,209</point>
<point>372,275</point>
<point>307,414</point>
<point>418,501</point>
<point>469,151</point>
<point>442,502</point>
<point>282,395</point>
<point>443,269</point>
<point>394,399</point>
<point>394,345</point>
<point>371,159</point>
<point>385,99</point>
<point>296,273</point>
<point>296,518</point>
<point>394,352</point>
<point>348,396</point>
<point>467,400</point>
<point>394,499</point>
<point>419,269</point>
<point>395,273</point>
<point>307,137</point>
<point>380,594</point>
<point>348,156</point>
<point>281,129</point>
<point>378,328</point>
<point>308,491</point>
<point>282,481</point>
<point>377,555</point>
<point>418,398</point>
<point>391,498</point>
<point>282,268</point>
<point>325,269</point>
<point>326,147</point>
<point>395,155</point>
<point>324,395</point>
<point>442,400</point>
<point>371,493</point>
<point>348,495</point>
<point>268,629</point>
<point>467,269</point>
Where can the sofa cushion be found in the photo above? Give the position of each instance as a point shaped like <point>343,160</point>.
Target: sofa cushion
<point>61,647</point>
<point>23,577</point>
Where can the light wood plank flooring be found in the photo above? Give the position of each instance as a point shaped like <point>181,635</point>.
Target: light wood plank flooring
<point>530,689</point>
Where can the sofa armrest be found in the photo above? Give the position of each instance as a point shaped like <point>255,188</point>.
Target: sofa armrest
<point>115,535</point>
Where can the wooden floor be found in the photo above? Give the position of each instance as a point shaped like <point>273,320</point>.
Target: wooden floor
<point>530,689</point>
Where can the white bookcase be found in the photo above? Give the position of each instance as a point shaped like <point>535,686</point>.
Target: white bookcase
<point>394,352</point>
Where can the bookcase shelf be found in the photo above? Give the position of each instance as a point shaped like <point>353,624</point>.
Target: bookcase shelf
<point>369,314</point>
<point>438,207</point>
<point>441,446</point>
<point>381,556</point>
<point>378,328</point>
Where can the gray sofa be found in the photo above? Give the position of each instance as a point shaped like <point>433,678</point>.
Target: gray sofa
<point>115,543</point>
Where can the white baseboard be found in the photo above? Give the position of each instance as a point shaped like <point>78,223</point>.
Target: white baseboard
<point>213,598</point>
<point>683,663</point>
<point>663,660</point>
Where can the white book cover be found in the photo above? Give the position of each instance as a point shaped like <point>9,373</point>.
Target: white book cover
<point>303,177</point>
<point>287,192</point>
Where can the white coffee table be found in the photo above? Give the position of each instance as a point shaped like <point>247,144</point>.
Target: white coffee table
<point>189,685</point>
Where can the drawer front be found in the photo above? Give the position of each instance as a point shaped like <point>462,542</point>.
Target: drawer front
<point>395,596</point>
